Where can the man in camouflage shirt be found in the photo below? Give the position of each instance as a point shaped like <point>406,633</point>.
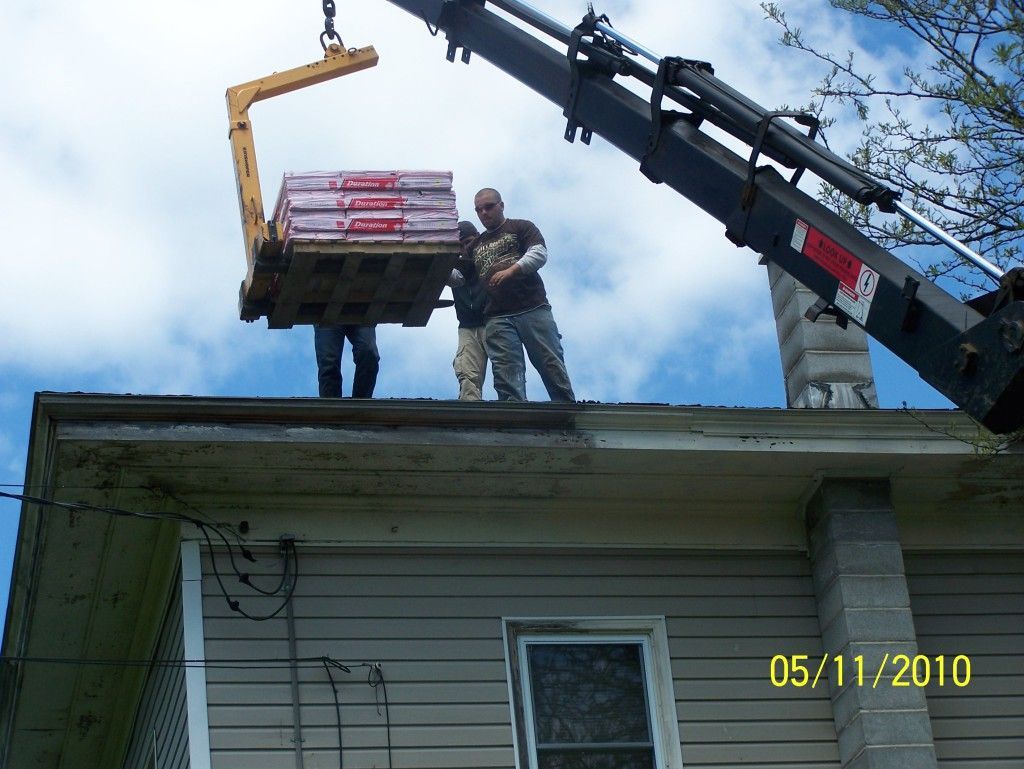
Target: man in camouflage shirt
<point>508,255</point>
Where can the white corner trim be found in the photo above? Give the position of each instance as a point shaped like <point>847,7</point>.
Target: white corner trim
<point>195,676</point>
<point>511,690</point>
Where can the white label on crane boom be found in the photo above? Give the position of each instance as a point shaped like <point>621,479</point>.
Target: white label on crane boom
<point>857,281</point>
<point>799,237</point>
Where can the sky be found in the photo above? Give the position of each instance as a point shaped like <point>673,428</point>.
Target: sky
<point>122,243</point>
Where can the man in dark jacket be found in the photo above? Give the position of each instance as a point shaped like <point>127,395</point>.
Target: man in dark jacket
<point>470,362</point>
<point>507,256</point>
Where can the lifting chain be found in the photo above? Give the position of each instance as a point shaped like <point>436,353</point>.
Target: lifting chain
<point>329,33</point>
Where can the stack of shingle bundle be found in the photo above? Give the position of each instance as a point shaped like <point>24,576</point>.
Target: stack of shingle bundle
<point>397,206</point>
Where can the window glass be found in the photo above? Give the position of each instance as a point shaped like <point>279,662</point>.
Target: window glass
<point>590,706</point>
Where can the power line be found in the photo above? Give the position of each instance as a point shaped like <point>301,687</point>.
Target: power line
<point>263,663</point>
<point>287,545</point>
<point>115,511</point>
<point>374,676</point>
<point>328,663</point>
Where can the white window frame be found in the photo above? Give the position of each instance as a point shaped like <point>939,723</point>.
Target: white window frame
<point>648,632</point>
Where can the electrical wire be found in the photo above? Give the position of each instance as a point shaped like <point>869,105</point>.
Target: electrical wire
<point>115,511</point>
<point>245,579</point>
<point>234,605</point>
<point>259,663</point>
<point>249,665</point>
<point>91,487</point>
<point>246,553</point>
<point>204,529</point>
<point>374,677</point>
<point>377,684</point>
<point>328,662</point>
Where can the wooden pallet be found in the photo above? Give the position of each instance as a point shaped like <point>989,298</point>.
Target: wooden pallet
<point>363,283</point>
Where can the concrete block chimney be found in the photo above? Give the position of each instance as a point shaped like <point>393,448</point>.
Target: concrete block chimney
<point>824,365</point>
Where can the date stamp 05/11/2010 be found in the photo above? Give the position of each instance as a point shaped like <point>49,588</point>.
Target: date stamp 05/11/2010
<point>898,670</point>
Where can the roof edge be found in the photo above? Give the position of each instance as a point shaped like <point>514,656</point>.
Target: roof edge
<point>931,424</point>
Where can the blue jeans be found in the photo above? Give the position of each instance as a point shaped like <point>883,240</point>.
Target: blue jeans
<point>536,331</point>
<point>329,341</point>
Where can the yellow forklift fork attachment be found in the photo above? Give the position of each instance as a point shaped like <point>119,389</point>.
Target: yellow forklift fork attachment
<point>257,236</point>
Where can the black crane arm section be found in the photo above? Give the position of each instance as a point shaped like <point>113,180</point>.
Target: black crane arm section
<point>973,358</point>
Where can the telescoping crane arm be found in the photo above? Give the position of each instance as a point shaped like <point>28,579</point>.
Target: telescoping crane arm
<point>973,356</point>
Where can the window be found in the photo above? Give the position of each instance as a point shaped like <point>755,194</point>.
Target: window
<point>592,694</point>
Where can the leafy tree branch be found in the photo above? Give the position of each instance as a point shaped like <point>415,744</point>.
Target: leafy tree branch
<point>964,167</point>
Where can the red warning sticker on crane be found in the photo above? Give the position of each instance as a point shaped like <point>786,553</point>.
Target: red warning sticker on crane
<point>830,255</point>
<point>857,281</point>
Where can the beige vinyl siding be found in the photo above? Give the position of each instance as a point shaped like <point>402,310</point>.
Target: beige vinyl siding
<point>973,604</point>
<point>433,619</point>
<point>163,709</point>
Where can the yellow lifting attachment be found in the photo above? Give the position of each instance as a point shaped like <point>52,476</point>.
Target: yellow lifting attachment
<point>363,283</point>
<point>261,246</point>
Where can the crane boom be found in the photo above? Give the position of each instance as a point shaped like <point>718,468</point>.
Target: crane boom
<point>974,358</point>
